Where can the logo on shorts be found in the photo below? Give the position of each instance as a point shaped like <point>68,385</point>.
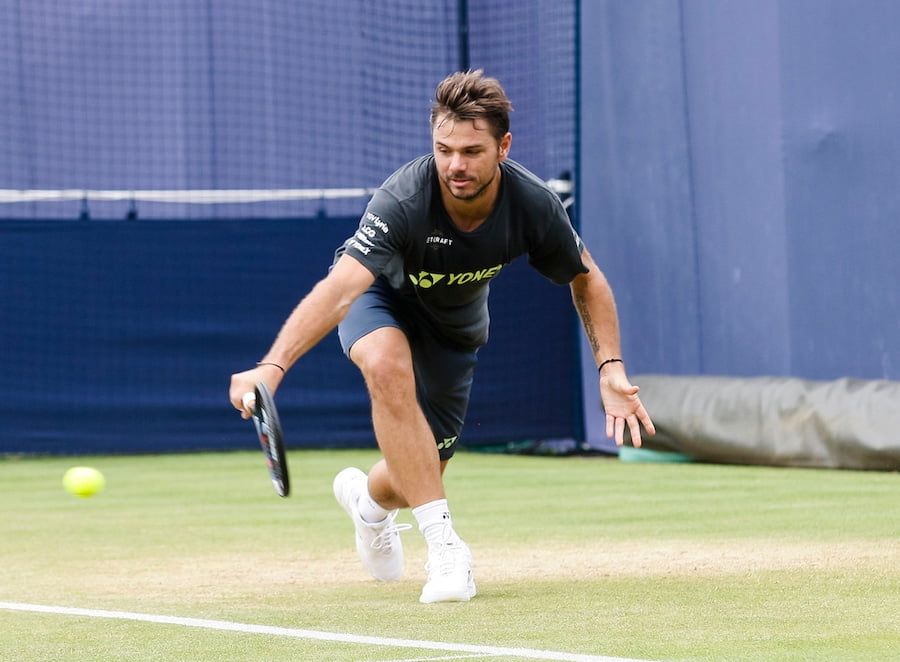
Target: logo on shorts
<point>447,442</point>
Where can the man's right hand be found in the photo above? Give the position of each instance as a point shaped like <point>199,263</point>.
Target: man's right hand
<point>245,382</point>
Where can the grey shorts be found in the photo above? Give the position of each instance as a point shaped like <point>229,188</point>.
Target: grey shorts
<point>443,373</point>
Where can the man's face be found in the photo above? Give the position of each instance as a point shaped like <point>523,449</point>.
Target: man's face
<point>467,156</point>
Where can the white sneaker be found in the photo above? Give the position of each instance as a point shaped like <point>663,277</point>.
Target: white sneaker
<point>378,545</point>
<point>450,577</point>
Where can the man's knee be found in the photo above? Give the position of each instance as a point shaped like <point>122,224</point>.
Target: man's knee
<point>385,360</point>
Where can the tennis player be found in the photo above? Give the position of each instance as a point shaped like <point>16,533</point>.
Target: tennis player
<point>408,292</point>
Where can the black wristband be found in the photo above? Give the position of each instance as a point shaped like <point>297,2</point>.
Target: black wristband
<point>283,371</point>
<point>600,367</point>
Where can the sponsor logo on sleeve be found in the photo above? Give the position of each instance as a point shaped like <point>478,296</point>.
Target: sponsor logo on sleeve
<point>354,243</point>
<point>376,222</point>
<point>364,239</point>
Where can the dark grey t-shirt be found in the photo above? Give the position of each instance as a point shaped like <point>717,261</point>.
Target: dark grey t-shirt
<point>407,237</point>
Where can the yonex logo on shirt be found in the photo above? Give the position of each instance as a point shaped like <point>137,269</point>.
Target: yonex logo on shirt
<point>427,279</point>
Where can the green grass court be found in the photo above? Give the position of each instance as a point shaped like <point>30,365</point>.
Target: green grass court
<point>574,557</point>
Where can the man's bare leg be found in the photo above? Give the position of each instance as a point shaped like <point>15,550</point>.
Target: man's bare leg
<point>410,473</point>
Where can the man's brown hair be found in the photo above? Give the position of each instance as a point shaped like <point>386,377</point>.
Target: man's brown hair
<point>470,95</point>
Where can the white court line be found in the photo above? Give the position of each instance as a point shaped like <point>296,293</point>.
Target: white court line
<point>443,657</point>
<point>524,653</point>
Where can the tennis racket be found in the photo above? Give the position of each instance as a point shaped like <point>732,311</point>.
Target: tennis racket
<point>265,417</point>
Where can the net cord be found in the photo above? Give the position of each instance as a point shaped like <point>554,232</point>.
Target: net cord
<point>207,196</point>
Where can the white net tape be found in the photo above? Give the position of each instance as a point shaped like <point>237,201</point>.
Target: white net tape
<point>209,196</point>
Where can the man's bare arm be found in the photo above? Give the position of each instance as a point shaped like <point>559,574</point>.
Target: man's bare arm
<point>596,306</point>
<point>314,317</point>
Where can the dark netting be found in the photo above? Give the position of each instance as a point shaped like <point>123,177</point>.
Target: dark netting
<point>269,95</point>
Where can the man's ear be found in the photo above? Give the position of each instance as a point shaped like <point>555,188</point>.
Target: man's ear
<point>505,143</point>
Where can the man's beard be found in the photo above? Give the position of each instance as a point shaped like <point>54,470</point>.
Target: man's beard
<point>470,196</point>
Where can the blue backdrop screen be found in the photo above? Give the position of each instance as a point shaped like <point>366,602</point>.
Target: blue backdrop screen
<point>125,340</point>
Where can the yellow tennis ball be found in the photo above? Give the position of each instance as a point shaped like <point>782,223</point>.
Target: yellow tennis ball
<point>83,481</point>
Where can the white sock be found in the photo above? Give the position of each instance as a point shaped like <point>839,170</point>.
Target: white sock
<point>435,522</point>
<point>369,509</point>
